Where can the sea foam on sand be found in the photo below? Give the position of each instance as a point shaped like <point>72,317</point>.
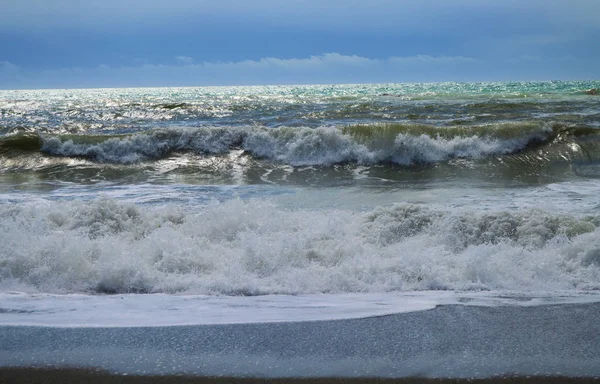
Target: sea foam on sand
<point>134,310</point>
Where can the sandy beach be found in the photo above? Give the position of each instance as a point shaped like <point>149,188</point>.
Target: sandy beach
<point>23,375</point>
<point>462,342</point>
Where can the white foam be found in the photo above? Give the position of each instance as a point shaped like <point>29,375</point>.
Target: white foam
<point>256,248</point>
<point>170,310</point>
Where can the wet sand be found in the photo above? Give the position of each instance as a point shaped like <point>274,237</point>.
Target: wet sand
<point>559,341</point>
<point>51,376</point>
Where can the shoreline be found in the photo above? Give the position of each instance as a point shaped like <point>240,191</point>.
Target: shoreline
<point>560,341</point>
<point>73,375</point>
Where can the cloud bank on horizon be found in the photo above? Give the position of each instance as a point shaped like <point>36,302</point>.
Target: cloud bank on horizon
<point>111,43</point>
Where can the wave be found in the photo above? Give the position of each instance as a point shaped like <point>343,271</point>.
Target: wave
<point>404,144</point>
<point>255,248</point>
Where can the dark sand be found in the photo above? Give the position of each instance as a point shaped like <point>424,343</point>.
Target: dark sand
<point>50,376</point>
<point>559,341</point>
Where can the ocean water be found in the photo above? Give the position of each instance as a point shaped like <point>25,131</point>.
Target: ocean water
<point>169,206</point>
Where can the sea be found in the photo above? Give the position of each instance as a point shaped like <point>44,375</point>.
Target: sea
<point>146,207</point>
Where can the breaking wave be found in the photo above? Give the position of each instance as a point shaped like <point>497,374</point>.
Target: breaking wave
<point>255,247</point>
<point>362,144</point>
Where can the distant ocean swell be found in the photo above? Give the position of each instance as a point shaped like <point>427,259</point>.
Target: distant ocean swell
<point>255,247</point>
<point>403,144</point>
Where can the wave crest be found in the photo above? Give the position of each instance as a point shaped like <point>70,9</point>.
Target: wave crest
<point>400,144</point>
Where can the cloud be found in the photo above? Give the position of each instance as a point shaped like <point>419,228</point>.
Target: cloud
<point>426,59</point>
<point>184,59</point>
<point>310,63</point>
<point>8,68</point>
<point>74,33</point>
<point>326,68</point>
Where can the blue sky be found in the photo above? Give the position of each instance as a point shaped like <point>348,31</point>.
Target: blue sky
<point>118,43</point>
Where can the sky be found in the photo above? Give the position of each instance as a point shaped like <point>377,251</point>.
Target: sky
<point>133,43</point>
